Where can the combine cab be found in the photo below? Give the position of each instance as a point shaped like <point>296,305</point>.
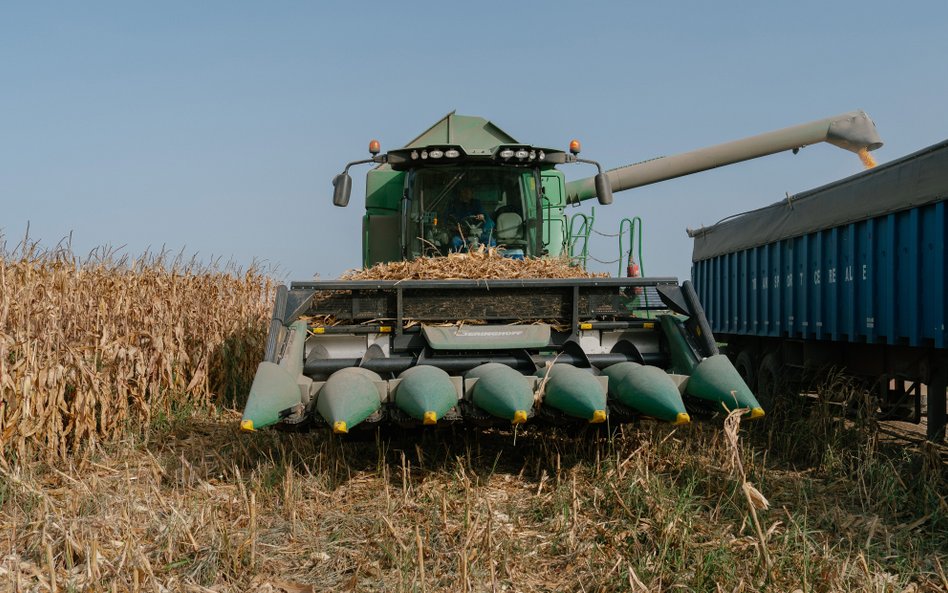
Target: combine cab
<point>354,354</point>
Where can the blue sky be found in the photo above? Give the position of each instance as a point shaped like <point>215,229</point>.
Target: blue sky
<point>216,127</point>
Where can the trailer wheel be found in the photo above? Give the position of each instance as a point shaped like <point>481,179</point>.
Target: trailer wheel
<point>768,381</point>
<point>747,369</point>
<point>937,409</point>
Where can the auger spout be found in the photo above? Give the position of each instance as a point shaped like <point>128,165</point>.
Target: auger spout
<point>853,131</point>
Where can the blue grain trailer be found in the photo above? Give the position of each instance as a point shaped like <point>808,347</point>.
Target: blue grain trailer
<point>849,275</point>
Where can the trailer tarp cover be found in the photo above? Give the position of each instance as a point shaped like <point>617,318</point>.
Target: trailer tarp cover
<point>915,180</point>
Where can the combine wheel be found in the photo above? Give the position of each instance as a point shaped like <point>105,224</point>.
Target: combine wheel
<point>747,369</point>
<point>768,377</point>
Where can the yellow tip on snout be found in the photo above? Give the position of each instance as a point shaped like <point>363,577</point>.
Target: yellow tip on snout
<point>430,418</point>
<point>520,416</point>
<point>339,427</point>
<point>599,416</point>
<point>757,413</point>
<point>682,418</point>
<point>246,426</point>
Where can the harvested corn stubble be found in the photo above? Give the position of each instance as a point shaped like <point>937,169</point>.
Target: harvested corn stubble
<point>483,264</point>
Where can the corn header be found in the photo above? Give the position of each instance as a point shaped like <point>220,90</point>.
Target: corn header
<point>354,354</point>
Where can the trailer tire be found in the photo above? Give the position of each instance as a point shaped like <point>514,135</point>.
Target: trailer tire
<point>744,363</point>
<point>937,409</point>
<point>768,381</point>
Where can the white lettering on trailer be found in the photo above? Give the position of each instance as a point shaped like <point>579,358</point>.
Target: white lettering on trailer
<point>753,283</point>
<point>789,280</point>
<point>816,276</point>
<point>776,280</point>
<point>832,275</point>
<point>848,274</point>
<point>864,275</point>
<point>763,283</point>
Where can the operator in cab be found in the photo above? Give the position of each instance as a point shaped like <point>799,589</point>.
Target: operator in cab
<point>468,216</point>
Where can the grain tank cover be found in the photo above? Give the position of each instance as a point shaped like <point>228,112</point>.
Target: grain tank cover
<point>475,134</point>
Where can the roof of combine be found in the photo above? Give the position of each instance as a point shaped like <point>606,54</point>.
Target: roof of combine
<point>471,132</point>
<point>914,180</point>
<point>465,138</point>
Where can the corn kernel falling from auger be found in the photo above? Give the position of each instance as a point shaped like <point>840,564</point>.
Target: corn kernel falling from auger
<point>867,160</point>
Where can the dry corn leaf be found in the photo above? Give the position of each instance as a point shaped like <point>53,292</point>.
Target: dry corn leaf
<point>756,497</point>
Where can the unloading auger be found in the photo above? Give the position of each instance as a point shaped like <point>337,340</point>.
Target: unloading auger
<point>354,354</point>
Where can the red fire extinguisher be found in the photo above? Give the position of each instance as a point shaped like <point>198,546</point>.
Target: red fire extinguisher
<point>632,271</point>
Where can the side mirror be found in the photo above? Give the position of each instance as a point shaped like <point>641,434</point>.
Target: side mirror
<point>342,188</point>
<point>604,189</point>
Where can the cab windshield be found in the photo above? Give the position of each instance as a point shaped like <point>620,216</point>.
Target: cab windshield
<point>457,209</point>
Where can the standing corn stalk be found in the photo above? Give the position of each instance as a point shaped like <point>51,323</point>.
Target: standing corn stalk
<point>755,500</point>
<point>91,348</point>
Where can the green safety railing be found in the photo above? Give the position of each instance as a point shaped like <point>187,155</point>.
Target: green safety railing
<point>579,227</point>
<point>634,227</point>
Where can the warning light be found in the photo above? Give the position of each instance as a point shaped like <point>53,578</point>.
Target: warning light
<point>574,146</point>
<point>374,147</point>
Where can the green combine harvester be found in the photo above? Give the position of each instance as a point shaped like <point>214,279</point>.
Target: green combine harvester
<point>351,355</point>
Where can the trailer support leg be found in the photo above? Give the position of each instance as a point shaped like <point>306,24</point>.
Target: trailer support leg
<point>937,407</point>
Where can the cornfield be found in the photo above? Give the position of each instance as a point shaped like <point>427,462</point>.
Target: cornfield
<point>98,351</point>
<point>93,347</point>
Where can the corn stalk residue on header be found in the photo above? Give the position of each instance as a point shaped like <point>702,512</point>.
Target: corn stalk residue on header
<point>481,264</point>
<point>92,349</point>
